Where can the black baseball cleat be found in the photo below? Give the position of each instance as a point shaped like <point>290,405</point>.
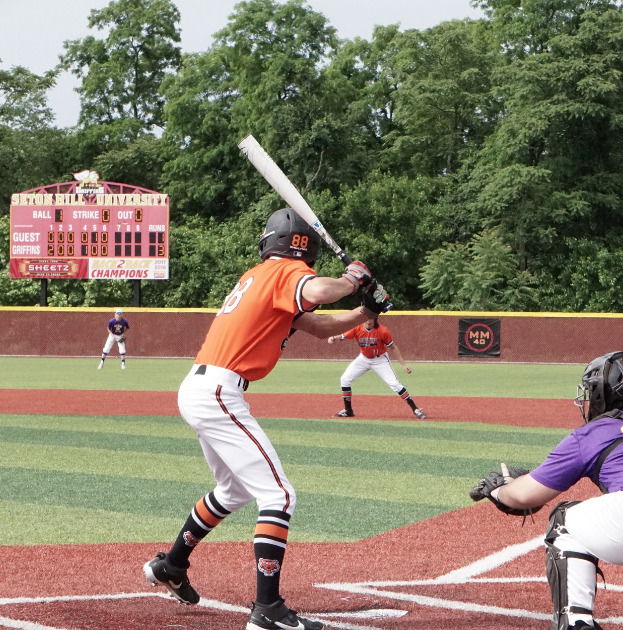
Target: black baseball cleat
<point>159,571</point>
<point>345,413</point>
<point>277,616</point>
<point>419,413</point>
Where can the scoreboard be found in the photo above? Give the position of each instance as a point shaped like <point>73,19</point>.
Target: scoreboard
<point>94,232</point>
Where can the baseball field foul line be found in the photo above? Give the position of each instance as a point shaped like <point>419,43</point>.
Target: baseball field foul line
<point>6,622</point>
<point>464,575</point>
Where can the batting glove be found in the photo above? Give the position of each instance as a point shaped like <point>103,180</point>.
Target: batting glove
<point>358,274</point>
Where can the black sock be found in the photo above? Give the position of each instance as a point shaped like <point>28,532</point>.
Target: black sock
<point>269,544</point>
<point>347,398</point>
<point>204,517</point>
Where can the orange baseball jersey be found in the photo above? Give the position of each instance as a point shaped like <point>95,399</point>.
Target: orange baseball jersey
<point>372,343</point>
<point>252,327</point>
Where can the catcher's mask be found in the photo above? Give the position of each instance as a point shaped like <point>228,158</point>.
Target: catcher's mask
<point>601,388</point>
<point>286,234</point>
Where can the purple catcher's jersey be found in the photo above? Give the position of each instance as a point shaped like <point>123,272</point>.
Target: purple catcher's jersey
<point>118,327</point>
<point>576,455</point>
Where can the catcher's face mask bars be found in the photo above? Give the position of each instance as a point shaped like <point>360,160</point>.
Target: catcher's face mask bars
<point>581,401</point>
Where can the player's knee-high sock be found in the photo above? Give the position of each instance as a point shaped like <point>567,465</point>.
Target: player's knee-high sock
<point>404,394</point>
<point>269,543</point>
<point>204,517</point>
<point>347,396</point>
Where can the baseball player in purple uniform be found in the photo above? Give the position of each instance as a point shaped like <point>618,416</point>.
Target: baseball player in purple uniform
<point>581,533</point>
<point>117,328</point>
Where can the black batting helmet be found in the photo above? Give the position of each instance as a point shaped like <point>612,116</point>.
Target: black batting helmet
<point>602,386</point>
<point>286,234</point>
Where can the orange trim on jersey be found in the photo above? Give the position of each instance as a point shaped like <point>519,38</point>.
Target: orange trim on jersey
<point>270,529</point>
<point>206,516</point>
<point>259,446</point>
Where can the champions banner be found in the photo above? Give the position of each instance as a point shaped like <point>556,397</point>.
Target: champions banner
<point>479,337</point>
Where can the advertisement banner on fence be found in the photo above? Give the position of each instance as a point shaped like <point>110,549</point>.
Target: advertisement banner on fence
<point>479,337</point>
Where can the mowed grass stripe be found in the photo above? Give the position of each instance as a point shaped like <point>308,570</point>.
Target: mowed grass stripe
<point>363,453</point>
<point>405,486</point>
<point>165,426</point>
<point>331,430</point>
<point>57,524</point>
<point>176,427</point>
<point>353,479</point>
<point>348,518</point>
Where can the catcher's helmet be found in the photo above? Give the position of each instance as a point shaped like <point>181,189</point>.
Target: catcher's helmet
<point>602,386</point>
<point>286,234</point>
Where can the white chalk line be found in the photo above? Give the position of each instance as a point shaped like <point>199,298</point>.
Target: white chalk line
<point>328,617</point>
<point>465,575</point>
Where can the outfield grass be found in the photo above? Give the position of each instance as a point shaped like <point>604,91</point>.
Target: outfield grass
<point>427,379</point>
<point>95,479</point>
<point>92,479</point>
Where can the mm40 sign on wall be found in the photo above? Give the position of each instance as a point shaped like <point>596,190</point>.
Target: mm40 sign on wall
<point>90,229</point>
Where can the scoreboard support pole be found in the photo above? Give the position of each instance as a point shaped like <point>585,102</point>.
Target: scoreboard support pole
<point>43,292</point>
<point>136,300</point>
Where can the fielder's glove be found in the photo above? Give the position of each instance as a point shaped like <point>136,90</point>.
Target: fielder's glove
<point>495,479</point>
<point>375,299</point>
<point>121,339</point>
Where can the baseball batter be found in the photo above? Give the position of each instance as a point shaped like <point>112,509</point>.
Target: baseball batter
<point>374,341</point>
<point>582,533</point>
<point>247,336</point>
<point>116,329</point>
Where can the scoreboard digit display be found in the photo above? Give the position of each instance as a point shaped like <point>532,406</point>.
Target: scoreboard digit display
<point>91,230</point>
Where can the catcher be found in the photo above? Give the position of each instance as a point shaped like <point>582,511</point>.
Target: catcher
<point>580,533</point>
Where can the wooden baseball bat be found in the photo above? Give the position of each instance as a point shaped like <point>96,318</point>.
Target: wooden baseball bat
<point>280,183</point>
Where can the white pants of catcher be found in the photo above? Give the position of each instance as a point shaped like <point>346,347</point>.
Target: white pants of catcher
<point>110,340</point>
<point>594,527</point>
<point>244,462</point>
<point>382,365</point>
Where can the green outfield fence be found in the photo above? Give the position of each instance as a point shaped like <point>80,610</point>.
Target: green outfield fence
<point>421,335</point>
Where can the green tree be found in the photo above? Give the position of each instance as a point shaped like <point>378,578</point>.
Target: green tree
<point>443,105</point>
<point>23,103</point>
<point>32,152</point>
<point>480,275</point>
<point>268,73</point>
<point>122,73</point>
<point>552,167</point>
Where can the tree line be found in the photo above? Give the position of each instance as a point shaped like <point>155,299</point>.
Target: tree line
<point>474,165</point>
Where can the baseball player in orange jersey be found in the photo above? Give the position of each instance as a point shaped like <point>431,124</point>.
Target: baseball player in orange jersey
<point>374,340</point>
<point>246,339</point>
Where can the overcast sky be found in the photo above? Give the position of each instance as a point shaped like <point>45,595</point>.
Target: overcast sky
<point>32,32</point>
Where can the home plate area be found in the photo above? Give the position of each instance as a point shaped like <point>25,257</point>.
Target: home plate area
<point>471,568</point>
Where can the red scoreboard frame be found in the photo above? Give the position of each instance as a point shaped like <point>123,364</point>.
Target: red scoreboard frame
<point>91,230</point>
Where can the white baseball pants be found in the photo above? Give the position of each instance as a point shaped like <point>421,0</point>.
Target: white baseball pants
<point>110,340</point>
<point>382,365</point>
<point>243,460</point>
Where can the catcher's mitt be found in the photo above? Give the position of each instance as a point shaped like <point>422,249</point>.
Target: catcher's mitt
<point>495,479</point>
